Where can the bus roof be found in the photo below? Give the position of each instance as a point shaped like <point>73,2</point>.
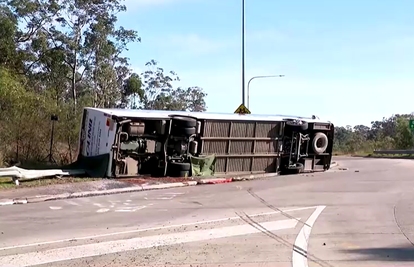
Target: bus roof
<point>166,114</point>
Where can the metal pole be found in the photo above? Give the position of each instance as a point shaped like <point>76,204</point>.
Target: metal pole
<point>251,79</point>
<point>51,141</point>
<point>243,79</point>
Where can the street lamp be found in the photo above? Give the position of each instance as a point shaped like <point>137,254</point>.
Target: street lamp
<point>243,87</point>
<point>258,77</point>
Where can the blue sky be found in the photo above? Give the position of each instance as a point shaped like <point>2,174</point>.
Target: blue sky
<point>347,61</point>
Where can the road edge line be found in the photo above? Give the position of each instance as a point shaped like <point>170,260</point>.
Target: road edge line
<point>153,228</point>
<point>300,247</point>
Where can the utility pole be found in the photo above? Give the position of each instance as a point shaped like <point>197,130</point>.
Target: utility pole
<point>242,76</point>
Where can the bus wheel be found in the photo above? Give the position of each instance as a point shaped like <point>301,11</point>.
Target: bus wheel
<point>179,169</point>
<point>319,143</point>
<point>183,131</point>
<point>184,122</point>
<point>297,126</point>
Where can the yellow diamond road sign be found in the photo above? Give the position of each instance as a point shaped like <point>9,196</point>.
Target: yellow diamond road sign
<point>242,110</point>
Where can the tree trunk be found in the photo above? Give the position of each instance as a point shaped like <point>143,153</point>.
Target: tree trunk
<point>73,82</point>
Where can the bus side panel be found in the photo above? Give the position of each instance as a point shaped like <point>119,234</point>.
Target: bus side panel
<point>96,133</point>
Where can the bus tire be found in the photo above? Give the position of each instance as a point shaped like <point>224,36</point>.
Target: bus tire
<point>179,169</point>
<point>180,166</point>
<point>317,147</point>
<point>185,122</point>
<point>180,131</point>
<point>297,127</point>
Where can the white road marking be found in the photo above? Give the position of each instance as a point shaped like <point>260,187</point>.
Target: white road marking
<point>159,198</point>
<point>72,203</point>
<point>130,209</point>
<point>174,193</point>
<point>149,229</point>
<point>128,200</point>
<point>124,210</point>
<point>300,248</point>
<point>55,208</point>
<point>103,248</point>
<point>98,205</point>
<point>102,210</point>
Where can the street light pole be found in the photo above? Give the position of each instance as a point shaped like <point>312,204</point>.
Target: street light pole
<point>258,77</point>
<point>243,79</point>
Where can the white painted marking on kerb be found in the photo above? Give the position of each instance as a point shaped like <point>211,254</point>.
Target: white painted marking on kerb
<point>11,202</point>
<point>150,229</point>
<point>55,208</point>
<point>103,248</point>
<point>300,249</point>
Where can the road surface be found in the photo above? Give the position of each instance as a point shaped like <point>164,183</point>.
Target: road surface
<point>363,216</point>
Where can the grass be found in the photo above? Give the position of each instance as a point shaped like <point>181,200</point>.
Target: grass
<point>7,182</point>
<point>371,154</point>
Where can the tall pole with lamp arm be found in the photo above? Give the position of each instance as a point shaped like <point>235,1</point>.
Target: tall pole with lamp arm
<point>242,59</point>
<point>258,77</point>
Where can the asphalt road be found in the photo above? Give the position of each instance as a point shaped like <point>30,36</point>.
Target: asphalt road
<point>363,216</point>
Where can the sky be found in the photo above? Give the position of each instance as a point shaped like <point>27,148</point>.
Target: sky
<point>347,61</point>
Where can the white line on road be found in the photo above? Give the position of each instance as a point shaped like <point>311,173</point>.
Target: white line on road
<point>72,203</point>
<point>102,210</point>
<point>55,208</point>
<point>130,209</point>
<point>125,210</point>
<point>159,198</point>
<point>300,249</point>
<point>150,229</point>
<point>103,248</point>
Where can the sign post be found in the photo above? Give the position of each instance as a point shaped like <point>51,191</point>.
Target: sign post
<point>242,110</point>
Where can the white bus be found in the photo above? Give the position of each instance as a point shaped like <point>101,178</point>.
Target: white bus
<point>162,143</point>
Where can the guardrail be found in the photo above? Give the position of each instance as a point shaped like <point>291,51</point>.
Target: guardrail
<point>394,152</point>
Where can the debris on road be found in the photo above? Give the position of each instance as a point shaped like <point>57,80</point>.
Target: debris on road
<point>16,173</point>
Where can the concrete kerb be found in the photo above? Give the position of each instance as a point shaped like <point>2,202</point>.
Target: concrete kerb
<point>212,180</point>
<point>4,202</point>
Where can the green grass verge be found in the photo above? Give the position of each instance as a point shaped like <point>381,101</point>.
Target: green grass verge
<point>7,183</point>
<point>371,154</point>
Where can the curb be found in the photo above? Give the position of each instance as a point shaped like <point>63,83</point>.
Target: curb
<point>334,164</point>
<point>5,202</point>
<point>254,176</point>
<point>215,181</point>
<point>219,180</point>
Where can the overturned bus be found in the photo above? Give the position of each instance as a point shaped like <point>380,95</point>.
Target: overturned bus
<point>162,143</point>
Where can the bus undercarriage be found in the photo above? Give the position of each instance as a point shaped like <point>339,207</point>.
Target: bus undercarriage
<point>164,147</point>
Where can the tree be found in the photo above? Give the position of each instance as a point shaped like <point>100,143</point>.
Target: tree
<point>132,91</point>
<point>403,136</point>
<point>158,92</point>
<point>83,35</point>
<point>58,56</point>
